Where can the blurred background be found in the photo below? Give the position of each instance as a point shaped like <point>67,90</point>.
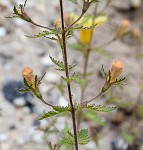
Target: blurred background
<point>20,129</point>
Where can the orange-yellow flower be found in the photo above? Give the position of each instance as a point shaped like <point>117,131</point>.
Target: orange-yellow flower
<point>116,70</point>
<point>85,35</point>
<point>27,73</point>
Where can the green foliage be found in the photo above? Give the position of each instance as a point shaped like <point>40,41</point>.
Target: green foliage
<point>58,110</point>
<point>44,34</point>
<point>83,138</point>
<point>81,27</point>
<point>49,114</point>
<point>96,108</point>
<point>72,78</point>
<point>60,64</point>
<point>94,117</point>
<point>128,138</point>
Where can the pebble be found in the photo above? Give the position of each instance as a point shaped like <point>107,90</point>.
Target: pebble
<point>2,32</point>
<point>119,144</point>
<point>38,137</point>
<point>4,146</point>
<point>3,137</point>
<point>19,102</point>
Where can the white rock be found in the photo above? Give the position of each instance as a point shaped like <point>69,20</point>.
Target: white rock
<point>3,137</point>
<point>136,3</point>
<point>2,32</point>
<point>4,146</point>
<point>43,123</point>
<point>19,102</point>
<point>37,137</point>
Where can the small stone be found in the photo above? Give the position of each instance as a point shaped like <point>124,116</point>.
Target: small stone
<point>37,137</point>
<point>136,3</point>
<point>4,146</point>
<point>2,32</point>
<point>119,144</point>
<point>3,137</point>
<point>12,127</point>
<point>19,102</point>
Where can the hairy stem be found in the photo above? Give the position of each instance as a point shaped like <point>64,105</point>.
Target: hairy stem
<point>67,75</point>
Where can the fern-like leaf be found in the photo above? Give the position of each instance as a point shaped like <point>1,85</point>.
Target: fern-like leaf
<point>49,114</point>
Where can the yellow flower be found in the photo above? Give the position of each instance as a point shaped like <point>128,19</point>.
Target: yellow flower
<point>116,70</point>
<point>27,73</point>
<point>85,35</point>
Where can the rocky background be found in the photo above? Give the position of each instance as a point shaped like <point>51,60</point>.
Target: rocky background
<point>19,125</point>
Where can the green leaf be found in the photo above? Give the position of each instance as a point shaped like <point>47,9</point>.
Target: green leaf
<point>43,34</point>
<point>72,78</point>
<point>73,1</point>
<point>62,108</point>
<point>58,110</point>
<point>102,52</point>
<point>58,63</point>
<point>49,114</point>
<point>128,138</point>
<point>83,138</point>
<point>96,108</point>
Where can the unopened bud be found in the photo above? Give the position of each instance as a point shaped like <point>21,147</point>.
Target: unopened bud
<point>137,33</point>
<point>86,5</point>
<point>116,70</point>
<point>22,14</point>
<point>68,19</point>
<point>27,73</point>
<point>123,27</point>
<point>58,24</point>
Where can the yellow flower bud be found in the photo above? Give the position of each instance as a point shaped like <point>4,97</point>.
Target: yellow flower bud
<point>58,24</point>
<point>116,70</point>
<point>27,73</point>
<point>123,27</point>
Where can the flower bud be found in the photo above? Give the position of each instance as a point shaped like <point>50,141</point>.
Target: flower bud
<point>58,24</point>
<point>116,70</point>
<point>68,19</point>
<point>123,27</point>
<point>86,5</point>
<point>27,73</point>
<point>22,14</point>
<point>137,33</point>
